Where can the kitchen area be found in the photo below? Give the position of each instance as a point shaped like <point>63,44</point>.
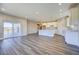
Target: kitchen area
<point>67,26</point>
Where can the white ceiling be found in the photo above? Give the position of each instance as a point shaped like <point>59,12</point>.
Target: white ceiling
<point>35,11</point>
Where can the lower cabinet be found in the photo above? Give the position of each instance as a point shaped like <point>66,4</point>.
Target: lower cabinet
<point>72,37</point>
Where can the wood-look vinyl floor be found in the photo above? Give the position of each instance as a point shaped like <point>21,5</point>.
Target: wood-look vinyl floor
<point>36,45</point>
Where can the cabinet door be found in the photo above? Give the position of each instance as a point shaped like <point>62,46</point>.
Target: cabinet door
<point>74,16</point>
<point>72,37</point>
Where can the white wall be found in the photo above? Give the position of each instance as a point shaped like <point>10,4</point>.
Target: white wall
<point>31,27</point>
<point>61,25</point>
<point>23,26</point>
<point>75,17</point>
<point>1,30</point>
<point>6,18</point>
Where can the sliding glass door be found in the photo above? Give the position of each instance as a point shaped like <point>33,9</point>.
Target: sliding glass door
<point>8,32</point>
<point>11,29</point>
<point>17,29</point>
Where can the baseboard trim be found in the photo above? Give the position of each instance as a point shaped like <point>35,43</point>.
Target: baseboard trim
<point>31,33</point>
<point>1,38</point>
<point>75,46</point>
<point>59,34</point>
<point>12,37</point>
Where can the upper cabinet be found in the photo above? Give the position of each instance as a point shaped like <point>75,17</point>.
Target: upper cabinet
<point>74,17</point>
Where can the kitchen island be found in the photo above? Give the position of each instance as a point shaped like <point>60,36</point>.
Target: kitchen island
<point>47,32</point>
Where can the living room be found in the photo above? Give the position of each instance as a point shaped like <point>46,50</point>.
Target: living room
<point>48,28</point>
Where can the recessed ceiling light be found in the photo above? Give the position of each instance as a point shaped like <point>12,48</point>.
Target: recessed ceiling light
<point>37,12</point>
<point>3,9</point>
<point>26,17</point>
<point>60,10</point>
<point>60,4</point>
<point>60,14</point>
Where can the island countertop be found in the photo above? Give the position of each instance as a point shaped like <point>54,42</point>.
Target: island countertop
<point>47,32</point>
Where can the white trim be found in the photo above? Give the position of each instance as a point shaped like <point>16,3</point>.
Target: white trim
<point>12,37</point>
<point>1,38</point>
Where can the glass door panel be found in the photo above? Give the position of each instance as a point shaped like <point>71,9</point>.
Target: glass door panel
<point>11,29</point>
<point>8,32</point>
<point>17,29</point>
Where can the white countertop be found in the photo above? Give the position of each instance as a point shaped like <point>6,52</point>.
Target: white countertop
<point>47,32</point>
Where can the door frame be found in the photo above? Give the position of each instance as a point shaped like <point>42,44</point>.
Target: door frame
<point>12,29</point>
